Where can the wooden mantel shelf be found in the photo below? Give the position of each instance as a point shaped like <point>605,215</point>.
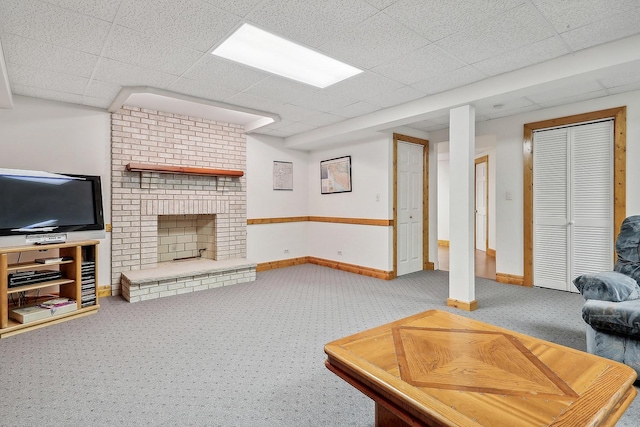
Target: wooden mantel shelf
<point>141,167</point>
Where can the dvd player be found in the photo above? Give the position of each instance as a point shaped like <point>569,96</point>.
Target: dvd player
<point>30,277</point>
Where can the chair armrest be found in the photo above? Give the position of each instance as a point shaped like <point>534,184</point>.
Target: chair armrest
<point>620,318</point>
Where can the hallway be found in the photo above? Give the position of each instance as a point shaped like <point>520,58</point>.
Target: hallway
<point>485,265</point>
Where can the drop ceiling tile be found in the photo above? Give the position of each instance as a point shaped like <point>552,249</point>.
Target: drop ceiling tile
<point>45,79</point>
<point>511,30</point>
<point>191,23</point>
<point>202,90</point>
<point>502,103</point>
<point>322,119</point>
<point>363,84</point>
<point>419,65</point>
<point>564,91</point>
<point>221,72</point>
<point>53,95</point>
<point>126,74</point>
<point>54,25</point>
<point>294,113</point>
<point>569,15</point>
<point>323,101</point>
<point>34,53</point>
<point>354,110</point>
<point>441,119</point>
<point>297,128</point>
<point>575,97</point>
<point>541,51</point>
<point>96,102</point>
<point>311,23</point>
<point>381,4</point>
<point>434,127</point>
<point>424,125</point>
<point>281,89</point>
<point>606,30</point>
<point>436,19</point>
<point>103,9</point>
<point>452,79</point>
<point>254,102</point>
<point>505,112</point>
<point>373,42</point>
<point>102,90</point>
<point>237,7</point>
<point>126,45</point>
<point>395,97</point>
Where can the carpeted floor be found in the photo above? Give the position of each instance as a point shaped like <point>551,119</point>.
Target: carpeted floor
<point>244,355</point>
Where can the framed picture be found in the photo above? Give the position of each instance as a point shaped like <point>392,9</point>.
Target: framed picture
<point>282,175</point>
<point>335,175</point>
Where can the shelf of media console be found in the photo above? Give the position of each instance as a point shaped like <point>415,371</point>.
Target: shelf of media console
<point>34,265</point>
<point>39,285</point>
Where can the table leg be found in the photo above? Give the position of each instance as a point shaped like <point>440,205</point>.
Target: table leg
<point>385,418</point>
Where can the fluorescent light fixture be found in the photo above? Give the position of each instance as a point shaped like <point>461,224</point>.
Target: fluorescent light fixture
<point>259,49</point>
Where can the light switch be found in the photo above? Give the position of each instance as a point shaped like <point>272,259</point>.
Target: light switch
<point>508,195</point>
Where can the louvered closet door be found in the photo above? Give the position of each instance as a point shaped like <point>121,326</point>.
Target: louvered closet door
<point>572,203</point>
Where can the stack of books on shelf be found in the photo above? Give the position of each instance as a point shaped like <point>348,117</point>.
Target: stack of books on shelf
<point>43,310</point>
<point>88,296</point>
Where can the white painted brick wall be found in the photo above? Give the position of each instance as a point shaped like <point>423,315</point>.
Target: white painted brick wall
<point>156,137</point>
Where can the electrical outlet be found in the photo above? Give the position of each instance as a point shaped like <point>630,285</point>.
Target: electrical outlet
<point>286,251</point>
<point>378,197</point>
<point>340,253</point>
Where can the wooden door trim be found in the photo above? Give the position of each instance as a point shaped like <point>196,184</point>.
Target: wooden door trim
<point>619,116</point>
<point>426,265</point>
<point>483,159</point>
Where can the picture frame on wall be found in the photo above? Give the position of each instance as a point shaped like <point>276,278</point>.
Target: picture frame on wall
<point>335,175</point>
<point>282,175</point>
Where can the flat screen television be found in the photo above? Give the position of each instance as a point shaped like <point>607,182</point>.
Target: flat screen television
<point>33,202</point>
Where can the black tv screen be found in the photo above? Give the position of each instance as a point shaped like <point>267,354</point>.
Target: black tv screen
<point>49,203</point>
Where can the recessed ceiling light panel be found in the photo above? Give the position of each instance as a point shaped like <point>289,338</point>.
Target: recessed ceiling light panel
<point>260,49</point>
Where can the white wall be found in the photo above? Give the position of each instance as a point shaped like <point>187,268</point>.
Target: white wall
<point>508,133</point>
<point>269,242</point>
<point>57,137</point>
<point>362,245</point>
<point>443,195</point>
<point>370,198</point>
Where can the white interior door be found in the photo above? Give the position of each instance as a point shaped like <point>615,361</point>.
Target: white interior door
<point>409,228</point>
<point>572,203</point>
<point>481,206</point>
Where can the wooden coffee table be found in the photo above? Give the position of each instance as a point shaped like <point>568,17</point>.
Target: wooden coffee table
<point>441,369</point>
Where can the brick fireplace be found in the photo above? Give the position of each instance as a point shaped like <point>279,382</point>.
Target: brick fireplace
<point>144,202</point>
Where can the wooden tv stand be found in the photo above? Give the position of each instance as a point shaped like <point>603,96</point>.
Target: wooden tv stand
<point>79,282</point>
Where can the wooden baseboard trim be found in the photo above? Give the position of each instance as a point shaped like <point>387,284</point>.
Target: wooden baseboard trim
<point>351,268</point>
<point>491,252</point>
<point>510,279</point>
<point>104,291</point>
<point>265,266</point>
<point>443,243</point>
<point>428,266</point>
<point>462,305</point>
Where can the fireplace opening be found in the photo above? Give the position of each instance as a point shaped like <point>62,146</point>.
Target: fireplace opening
<point>183,237</point>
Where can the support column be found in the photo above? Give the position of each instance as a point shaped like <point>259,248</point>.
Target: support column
<point>462,285</point>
